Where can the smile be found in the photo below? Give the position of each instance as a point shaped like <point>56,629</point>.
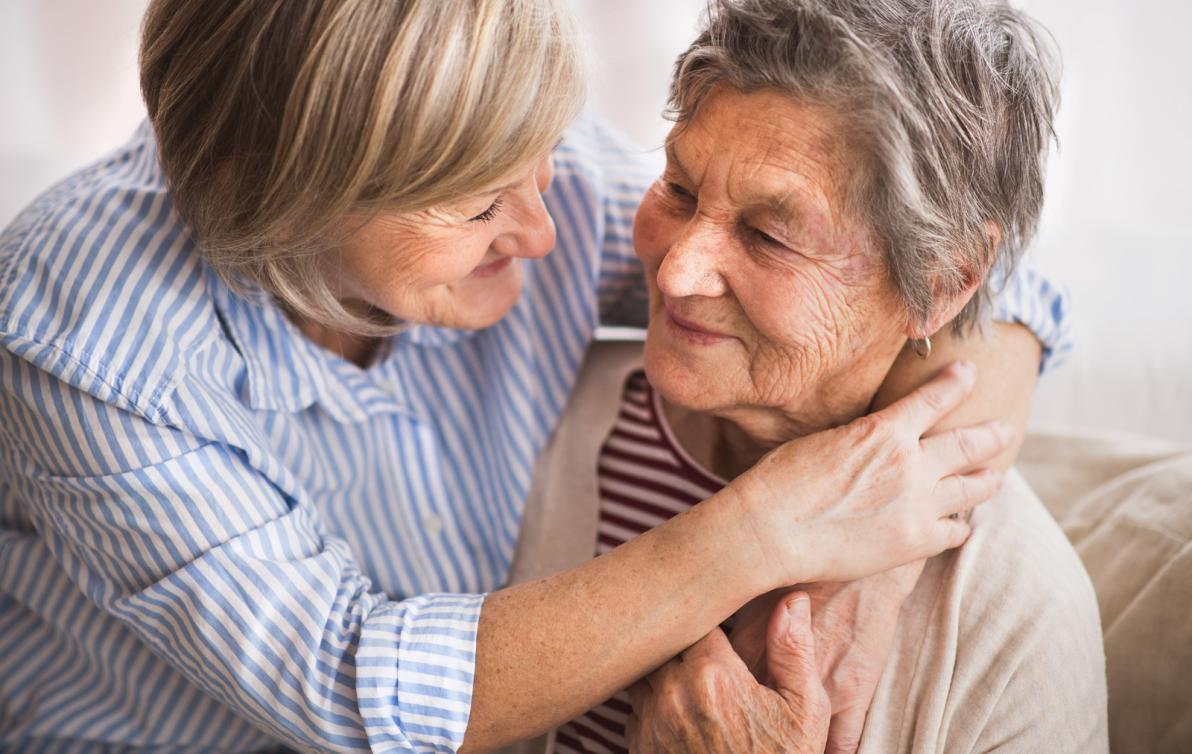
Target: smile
<point>692,332</point>
<point>492,268</point>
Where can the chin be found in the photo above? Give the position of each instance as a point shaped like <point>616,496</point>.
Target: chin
<point>695,384</point>
<point>487,308</point>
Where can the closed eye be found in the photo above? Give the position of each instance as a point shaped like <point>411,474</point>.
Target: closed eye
<point>765,237</point>
<point>488,214</point>
<point>678,190</point>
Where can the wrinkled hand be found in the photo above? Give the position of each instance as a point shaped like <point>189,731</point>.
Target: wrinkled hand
<point>875,494</point>
<point>854,629</point>
<point>707,702</point>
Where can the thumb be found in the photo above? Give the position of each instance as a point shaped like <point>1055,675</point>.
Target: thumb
<point>790,648</point>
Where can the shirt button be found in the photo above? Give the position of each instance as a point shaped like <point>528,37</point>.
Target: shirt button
<point>432,524</point>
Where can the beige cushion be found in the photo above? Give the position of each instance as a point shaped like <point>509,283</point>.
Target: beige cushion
<point>1126,505</point>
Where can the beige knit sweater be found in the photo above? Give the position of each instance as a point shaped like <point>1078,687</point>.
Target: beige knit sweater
<point>998,648</point>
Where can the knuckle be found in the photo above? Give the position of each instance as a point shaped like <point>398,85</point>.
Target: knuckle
<point>670,701</point>
<point>870,427</point>
<point>966,443</point>
<point>709,680</point>
<point>901,456</point>
<point>991,483</point>
<point>970,491</point>
<point>934,398</point>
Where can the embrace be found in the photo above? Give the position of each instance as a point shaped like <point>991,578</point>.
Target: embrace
<point>307,442</point>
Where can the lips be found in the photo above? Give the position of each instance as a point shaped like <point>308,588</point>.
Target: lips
<point>492,268</point>
<point>695,330</point>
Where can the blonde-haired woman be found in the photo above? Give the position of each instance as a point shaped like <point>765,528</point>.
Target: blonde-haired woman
<point>274,376</point>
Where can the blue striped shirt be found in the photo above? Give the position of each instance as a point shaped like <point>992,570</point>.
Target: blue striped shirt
<point>216,536</point>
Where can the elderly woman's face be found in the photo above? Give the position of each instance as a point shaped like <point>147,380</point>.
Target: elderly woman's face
<point>454,266</point>
<point>764,293</point>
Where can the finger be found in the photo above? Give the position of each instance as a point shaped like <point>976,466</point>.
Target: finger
<point>639,693</point>
<point>714,647</point>
<point>633,728</point>
<point>948,534</point>
<point>844,732</point>
<point>966,448</point>
<point>932,401</point>
<point>960,492</point>
<point>790,647</point>
<point>669,669</point>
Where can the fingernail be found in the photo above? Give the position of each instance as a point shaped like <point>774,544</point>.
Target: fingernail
<point>799,610</point>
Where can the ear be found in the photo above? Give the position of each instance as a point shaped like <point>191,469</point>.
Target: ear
<point>948,301</point>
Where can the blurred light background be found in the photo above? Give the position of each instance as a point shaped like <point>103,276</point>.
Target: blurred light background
<point>1117,229</point>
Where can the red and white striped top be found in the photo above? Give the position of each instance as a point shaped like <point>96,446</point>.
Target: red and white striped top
<point>645,478</point>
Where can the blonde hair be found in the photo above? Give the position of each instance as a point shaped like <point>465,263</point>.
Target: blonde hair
<point>277,120</point>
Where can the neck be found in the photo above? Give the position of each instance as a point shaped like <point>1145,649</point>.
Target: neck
<point>358,349</point>
<point>729,443</point>
<point>727,446</point>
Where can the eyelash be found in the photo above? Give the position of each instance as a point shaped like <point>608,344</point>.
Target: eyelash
<point>678,190</point>
<point>766,238</point>
<point>487,215</point>
<point>681,193</point>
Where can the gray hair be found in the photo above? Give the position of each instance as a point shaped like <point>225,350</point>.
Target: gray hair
<point>951,103</point>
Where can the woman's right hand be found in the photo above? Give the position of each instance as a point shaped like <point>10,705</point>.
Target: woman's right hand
<point>869,496</point>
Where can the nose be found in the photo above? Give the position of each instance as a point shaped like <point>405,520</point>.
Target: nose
<point>535,234</point>
<point>693,265</point>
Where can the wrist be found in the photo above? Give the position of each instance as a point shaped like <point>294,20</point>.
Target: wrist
<point>763,565</point>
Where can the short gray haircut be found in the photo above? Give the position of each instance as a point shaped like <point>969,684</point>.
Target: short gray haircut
<point>951,103</point>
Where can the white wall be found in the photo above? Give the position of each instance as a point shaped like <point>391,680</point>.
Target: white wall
<point>1117,228</point>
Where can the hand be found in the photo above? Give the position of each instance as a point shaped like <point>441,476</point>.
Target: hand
<point>854,630</point>
<point>707,702</point>
<point>849,502</point>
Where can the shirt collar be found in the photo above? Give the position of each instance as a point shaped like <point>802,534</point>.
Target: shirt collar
<point>286,371</point>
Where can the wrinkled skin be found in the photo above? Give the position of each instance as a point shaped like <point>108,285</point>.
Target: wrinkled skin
<point>854,627</point>
<point>683,705</point>
<point>456,265</point>
<point>772,317</point>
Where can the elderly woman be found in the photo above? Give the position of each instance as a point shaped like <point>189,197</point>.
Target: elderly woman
<point>274,376</point>
<point>842,177</point>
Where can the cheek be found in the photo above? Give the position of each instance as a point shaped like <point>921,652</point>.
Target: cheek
<point>793,308</point>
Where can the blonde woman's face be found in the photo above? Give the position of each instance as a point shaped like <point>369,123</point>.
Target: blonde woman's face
<point>454,266</point>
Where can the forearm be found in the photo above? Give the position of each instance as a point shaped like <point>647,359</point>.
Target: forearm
<point>550,649</point>
<point>1007,360</point>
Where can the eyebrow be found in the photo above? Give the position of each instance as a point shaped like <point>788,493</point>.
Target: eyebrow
<point>786,208</point>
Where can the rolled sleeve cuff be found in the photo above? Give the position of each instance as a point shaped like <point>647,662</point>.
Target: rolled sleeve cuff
<point>415,666</point>
<point>1041,306</point>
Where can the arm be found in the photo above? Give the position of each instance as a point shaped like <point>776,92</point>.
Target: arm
<point>227,574</point>
<point>851,652</point>
<point>1007,362</point>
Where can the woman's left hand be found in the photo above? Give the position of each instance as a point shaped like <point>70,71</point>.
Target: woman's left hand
<point>706,701</point>
<point>854,629</point>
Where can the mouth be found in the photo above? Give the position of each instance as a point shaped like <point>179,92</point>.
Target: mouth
<point>694,332</point>
<point>492,268</point>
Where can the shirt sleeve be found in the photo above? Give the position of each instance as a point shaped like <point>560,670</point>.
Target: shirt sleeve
<point>228,578</point>
<point>1038,303</point>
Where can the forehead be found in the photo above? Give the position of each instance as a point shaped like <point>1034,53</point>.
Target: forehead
<point>765,148</point>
